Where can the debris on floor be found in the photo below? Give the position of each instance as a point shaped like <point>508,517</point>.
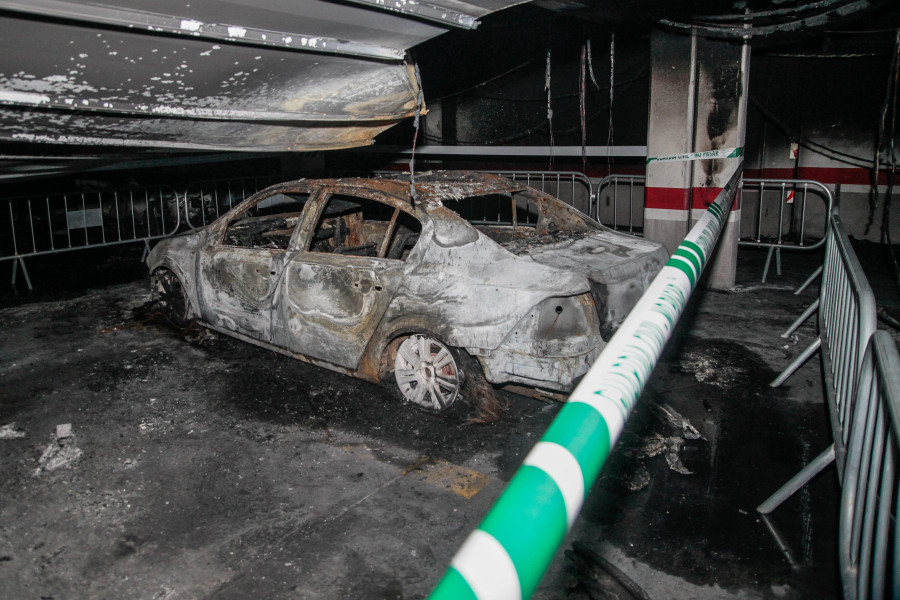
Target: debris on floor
<point>9,432</point>
<point>61,452</point>
<point>671,447</point>
<point>711,369</point>
<point>678,422</point>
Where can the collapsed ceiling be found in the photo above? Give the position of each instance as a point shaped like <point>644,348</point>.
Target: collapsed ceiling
<point>252,75</point>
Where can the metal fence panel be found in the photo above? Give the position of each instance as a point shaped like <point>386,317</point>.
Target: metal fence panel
<point>869,538</point>
<point>620,202</point>
<point>205,201</point>
<point>53,223</point>
<point>846,320</point>
<point>572,187</point>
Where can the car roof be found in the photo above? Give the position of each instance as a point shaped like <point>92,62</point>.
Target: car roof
<point>430,185</point>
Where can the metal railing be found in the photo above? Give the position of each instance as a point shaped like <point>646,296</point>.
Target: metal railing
<point>792,199</point>
<point>616,190</point>
<point>55,223</point>
<point>776,214</point>
<point>869,538</point>
<point>572,187</point>
<point>846,320</point>
<point>514,544</point>
<point>206,201</point>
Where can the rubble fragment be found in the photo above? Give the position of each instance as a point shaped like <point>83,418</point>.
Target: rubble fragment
<point>678,422</point>
<point>9,432</point>
<point>61,452</point>
<point>671,447</point>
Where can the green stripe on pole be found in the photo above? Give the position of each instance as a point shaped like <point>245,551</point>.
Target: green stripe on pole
<point>676,263</point>
<point>584,432</point>
<point>529,521</point>
<point>697,249</point>
<point>547,515</point>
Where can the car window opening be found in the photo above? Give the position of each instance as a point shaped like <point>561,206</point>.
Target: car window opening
<point>517,218</point>
<point>268,224</point>
<point>354,226</point>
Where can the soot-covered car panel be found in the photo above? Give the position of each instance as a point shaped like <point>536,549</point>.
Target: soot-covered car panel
<point>356,276</point>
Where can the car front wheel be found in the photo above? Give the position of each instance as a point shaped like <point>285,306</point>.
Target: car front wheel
<point>427,372</point>
<point>172,298</point>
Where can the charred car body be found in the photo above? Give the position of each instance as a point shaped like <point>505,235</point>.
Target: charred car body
<point>356,276</point>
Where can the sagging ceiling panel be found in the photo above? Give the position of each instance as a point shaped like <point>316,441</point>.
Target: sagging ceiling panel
<point>268,75</point>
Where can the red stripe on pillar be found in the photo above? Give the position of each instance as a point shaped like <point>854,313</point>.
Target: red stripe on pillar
<point>667,198</point>
<point>677,198</point>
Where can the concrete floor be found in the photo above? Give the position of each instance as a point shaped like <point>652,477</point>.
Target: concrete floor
<point>203,467</point>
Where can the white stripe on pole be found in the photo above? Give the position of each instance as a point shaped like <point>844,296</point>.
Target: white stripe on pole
<point>559,464</point>
<point>487,568</point>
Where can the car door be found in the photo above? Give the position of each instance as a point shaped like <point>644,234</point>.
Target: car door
<point>335,291</point>
<point>243,261</point>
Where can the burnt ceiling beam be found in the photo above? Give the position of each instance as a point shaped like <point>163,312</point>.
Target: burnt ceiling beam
<point>423,10</point>
<point>137,20</point>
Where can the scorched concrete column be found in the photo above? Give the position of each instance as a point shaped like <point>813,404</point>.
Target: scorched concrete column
<point>696,131</point>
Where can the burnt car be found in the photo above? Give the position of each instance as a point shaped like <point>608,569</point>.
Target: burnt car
<point>472,273</point>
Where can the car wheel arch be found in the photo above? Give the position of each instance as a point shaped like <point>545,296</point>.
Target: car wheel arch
<point>167,263</point>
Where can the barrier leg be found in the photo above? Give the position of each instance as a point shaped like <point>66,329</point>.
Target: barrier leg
<point>15,270</point>
<point>809,280</point>
<point>778,261</point>
<point>779,541</point>
<point>797,481</point>
<point>146,251</point>
<point>791,368</point>
<point>800,320</point>
<point>768,262</point>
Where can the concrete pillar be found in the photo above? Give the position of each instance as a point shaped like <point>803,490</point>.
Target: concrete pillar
<point>698,103</point>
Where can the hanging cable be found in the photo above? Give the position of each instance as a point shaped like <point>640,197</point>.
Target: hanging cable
<point>549,106</point>
<point>582,88</point>
<point>612,85</point>
<point>808,16</point>
<point>591,65</point>
<point>420,99</point>
<point>886,152</point>
<point>541,126</point>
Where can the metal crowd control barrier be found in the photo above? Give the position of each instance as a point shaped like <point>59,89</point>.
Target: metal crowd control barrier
<point>847,317</point>
<point>608,188</point>
<point>205,201</point>
<point>790,196</point>
<point>791,199</point>
<point>514,544</point>
<point>55,223</point>
<point>572,187</point>
<point>869,537</point>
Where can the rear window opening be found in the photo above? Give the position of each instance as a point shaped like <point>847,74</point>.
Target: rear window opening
<point>517,217</point>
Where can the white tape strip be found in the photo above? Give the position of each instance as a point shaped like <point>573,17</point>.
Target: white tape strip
<point>487,568</point>
<point>705,155</point>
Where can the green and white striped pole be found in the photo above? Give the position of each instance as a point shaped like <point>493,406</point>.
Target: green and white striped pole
<point>507,555</point>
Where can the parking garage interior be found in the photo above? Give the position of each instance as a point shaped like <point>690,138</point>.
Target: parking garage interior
<point>146,458</point>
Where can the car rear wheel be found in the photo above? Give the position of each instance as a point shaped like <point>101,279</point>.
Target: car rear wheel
<point>427,372</point>
<point>172,298</point>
